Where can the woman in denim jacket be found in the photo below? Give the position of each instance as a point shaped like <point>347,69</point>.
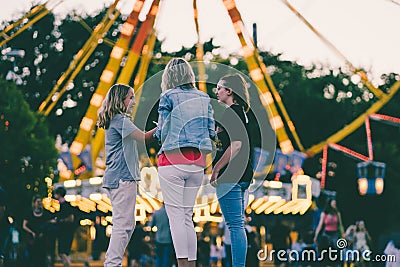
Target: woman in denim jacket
<point>232,165</point>
<point>185,128</point>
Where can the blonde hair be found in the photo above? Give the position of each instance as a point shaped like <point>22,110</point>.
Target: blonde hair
<point>113,104</point>
<point>177,72</point>
<point>240,93</point>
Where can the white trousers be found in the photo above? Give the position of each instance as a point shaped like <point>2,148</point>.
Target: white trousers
<point>179,186</point>
<point>123,201</point>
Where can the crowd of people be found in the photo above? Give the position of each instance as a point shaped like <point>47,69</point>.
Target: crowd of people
<point>151,243</point>
<point>41,231</point>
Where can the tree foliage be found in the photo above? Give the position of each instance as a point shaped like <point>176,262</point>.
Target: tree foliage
<point>27,152</point>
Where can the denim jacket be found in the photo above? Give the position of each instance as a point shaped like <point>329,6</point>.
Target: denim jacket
<point>185,120</point>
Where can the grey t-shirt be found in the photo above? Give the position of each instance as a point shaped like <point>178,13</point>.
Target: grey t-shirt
<point>122,160</point>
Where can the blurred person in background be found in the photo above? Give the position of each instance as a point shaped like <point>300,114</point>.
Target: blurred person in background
<point>65,227</point>
<point>164,246</point>
<point>330,224</point>
<point>280,239</point>
<point>136,246</point>
<point>34,225</point>
<point>5,230</point>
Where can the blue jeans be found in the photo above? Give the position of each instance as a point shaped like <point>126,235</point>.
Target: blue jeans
<point>164,254</point>
<point>231,200</point>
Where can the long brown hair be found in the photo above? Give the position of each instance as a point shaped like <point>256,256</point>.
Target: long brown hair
<point>328,209</point>
<point>113,104</point>
<point>238,85</point>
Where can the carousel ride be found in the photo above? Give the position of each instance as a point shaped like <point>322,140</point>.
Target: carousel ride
<point>79,166</point>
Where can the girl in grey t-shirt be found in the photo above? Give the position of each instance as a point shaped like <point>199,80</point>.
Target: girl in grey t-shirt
<point>122,166</point>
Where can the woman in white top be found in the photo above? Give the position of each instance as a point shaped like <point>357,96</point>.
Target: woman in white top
<point>361,237</point>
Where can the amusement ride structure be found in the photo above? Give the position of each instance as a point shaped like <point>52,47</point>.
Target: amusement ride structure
<point>135,46</point>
